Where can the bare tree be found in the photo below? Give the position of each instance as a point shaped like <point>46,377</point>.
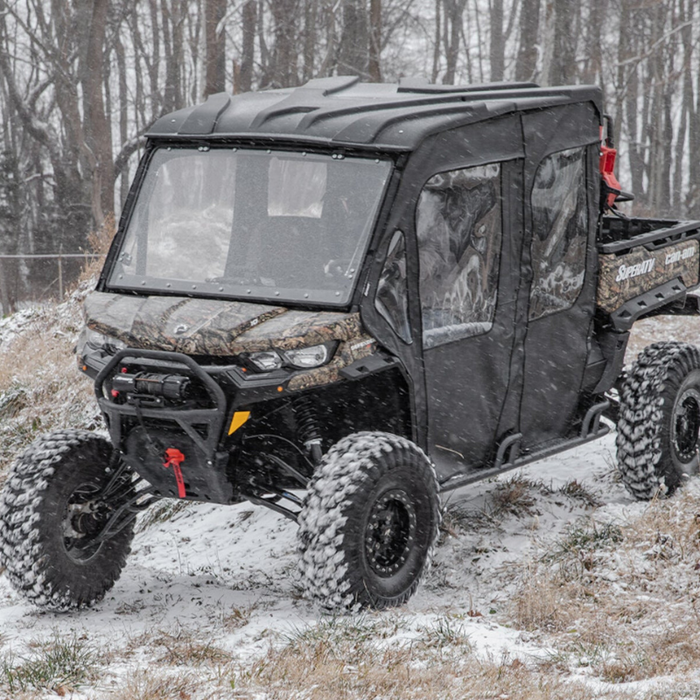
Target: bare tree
<point>497,39</point>
<point>453,12</point>
<point>561,36</point>
<point>353,52</point>
<point>375,40</point>
<point>244,81</point>
<point>526,63</point>
<point>214,12</point>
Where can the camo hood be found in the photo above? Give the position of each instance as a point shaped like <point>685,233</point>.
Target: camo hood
<point>213,326</point>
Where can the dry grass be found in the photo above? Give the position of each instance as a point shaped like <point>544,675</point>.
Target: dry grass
<point>514,496</point>
<point>40,386</point>
<point>179,646</point>
<point>186,647</point>
<point>343,660</point>
<point>99,242</point>
<point>237,618</point>
<point>158,684</point>
<point>162,512</point>
<point>620,599</point>
<point>578,492</point>
<point>61,664</point>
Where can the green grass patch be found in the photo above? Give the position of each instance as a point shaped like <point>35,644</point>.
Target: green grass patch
<point>60,664</point>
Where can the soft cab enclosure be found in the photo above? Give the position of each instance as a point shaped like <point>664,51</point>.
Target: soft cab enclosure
<point>501,218</point>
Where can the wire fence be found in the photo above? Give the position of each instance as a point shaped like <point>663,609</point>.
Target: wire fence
<point>27,277</point>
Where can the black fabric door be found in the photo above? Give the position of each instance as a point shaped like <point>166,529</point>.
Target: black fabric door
<point>468,229</point>
<point>561,179</point>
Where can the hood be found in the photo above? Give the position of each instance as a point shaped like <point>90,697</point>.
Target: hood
<point>212,326</point>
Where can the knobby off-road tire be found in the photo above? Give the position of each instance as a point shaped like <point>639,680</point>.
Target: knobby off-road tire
<point>47,517</point>
<point>369,523</point>
<point>657,432</point>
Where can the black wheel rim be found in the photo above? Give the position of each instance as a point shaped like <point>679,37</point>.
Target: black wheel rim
<point>83,521</point>
<point>390,532</point>
<point>686,425</point>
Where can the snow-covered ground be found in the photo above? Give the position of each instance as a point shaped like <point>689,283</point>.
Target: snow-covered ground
<point>226,575</point>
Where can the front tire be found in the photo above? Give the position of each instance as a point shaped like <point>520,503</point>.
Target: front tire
<point>659,425</point>
<point>369,523</point>
<point>50,512</point>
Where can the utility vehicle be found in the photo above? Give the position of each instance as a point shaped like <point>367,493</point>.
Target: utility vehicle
<point>338,301</point>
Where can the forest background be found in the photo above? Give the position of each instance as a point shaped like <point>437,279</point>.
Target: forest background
<point>81,81</point>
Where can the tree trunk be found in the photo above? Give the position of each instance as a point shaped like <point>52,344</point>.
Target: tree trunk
<point>454,10</point>
<point>353,53</point>
<point>375,40</point>
<point>497,40</point>
<point>245,74</point>
<point>329,60</point>
<point>657,162</point>
<point>560,46</point>
<point>284,56</point>
<point>172,19</point>
<point>310,38</point>
<point>685,14</point>
<point>98,133</point>
<point>123,114</point>
<point>593,66</point>
<point>153,62</point>
<point>436,46</point>
<point>526,65</point>
<point>628,90</point>
<point>215,80</point>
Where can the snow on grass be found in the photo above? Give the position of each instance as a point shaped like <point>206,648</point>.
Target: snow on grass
<point>40,387</point>
<point>207,603</point>
<point>548,582</point>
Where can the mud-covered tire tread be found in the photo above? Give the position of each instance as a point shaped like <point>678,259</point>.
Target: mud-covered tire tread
<point>646,402</point>
<point>38,569</point>
<point>349,466</point>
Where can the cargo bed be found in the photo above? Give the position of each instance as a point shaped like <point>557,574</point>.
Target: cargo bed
<point>618,235</point>
<point>645,264</point>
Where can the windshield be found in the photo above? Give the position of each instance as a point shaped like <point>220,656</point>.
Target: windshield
<point>244,223</point>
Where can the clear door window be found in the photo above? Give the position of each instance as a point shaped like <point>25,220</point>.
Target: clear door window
<point>459,228</point>
<point>560,232</point>
<point>392,291</point>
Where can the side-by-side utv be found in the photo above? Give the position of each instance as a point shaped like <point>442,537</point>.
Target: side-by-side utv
<point>338,301</point>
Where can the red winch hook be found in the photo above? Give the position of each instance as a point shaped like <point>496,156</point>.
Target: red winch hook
<point>174,458</point>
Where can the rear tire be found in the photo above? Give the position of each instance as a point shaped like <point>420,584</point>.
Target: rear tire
<point>48,517</point>
<point>659,425</point>
<point>369,523</point>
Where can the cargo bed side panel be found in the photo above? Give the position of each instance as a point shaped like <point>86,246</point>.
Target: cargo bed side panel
<point>624,277</point>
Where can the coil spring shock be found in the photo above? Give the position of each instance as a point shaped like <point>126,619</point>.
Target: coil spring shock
<point>308,432</point>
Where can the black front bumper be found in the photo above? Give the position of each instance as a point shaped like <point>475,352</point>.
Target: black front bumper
<point>142,431</point>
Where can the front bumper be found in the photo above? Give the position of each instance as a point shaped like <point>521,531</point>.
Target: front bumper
<point>143,430</point>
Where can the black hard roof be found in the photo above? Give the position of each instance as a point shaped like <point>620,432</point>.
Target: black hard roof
<point>343,111</point>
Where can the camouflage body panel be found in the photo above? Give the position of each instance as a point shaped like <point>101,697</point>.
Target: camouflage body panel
<point>624,277</point>
<point>214,327</point>
<point>177,324</point>
<point>300,329</point>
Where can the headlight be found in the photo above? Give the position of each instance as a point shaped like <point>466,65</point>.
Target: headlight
<point>92,340</point>
<point>303,358</point>
<point>266,361</point>
<point>306,358</point>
